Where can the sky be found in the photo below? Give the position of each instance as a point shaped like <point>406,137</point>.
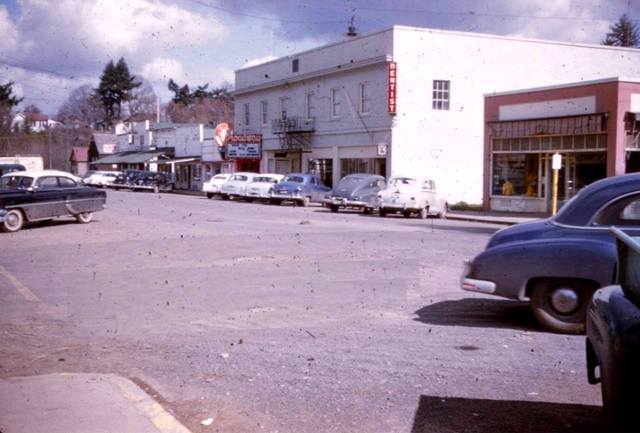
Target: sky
<point>50,47</point>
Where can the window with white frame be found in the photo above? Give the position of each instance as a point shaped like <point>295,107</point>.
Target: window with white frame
<point>264,106</point>
<point>308,105</point>
<point>441,95</point>
<point>284,102</point>
<point>365,98</point>
<point>335,102</point>
<point>247,114</point>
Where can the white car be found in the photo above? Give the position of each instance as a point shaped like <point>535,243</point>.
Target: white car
<point>236,185</point>
<point>412,195</point>
<point>212,187</point>
<point>101,178</point>
<point>261,185</point>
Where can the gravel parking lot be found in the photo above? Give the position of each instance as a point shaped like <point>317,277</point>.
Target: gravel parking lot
<point>287,319</point>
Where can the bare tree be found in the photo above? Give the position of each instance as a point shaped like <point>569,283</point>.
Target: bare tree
<point>31,108</point>
<point>81,106</point>
<point>143,99</point>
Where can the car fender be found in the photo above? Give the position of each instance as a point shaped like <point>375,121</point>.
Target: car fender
<point>515,266</point>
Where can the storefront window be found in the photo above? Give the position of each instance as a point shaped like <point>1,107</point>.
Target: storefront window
<point>323,168</point>
<point>515,174</point>
<point>362,165</point>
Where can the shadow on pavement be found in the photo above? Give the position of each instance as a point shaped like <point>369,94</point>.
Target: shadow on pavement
<point>481,313</point>
<point>463,415</point>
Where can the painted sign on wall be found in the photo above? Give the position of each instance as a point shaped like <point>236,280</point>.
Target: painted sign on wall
<point>244,146</point>
<point>392,86</point>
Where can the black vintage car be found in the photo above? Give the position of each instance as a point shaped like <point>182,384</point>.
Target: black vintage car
<point>8,168</point>
<point>557,263</point>
<point>27,196</point>
<point>143,180</point>
<point>613,338</point>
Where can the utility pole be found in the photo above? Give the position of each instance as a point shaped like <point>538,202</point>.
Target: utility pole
<point>49,146</point>
<point>157,109</point>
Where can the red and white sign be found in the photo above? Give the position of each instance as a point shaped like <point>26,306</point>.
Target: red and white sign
<point>392,86</point>
<point>244,146</point>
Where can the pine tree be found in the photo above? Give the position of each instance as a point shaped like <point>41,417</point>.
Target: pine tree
<point>116,83</point>
<point>624,33</point>
<point>7,102</point>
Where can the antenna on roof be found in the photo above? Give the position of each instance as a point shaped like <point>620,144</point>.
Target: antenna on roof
<point>351,29</point>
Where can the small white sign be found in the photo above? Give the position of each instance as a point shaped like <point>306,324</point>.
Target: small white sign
<point>556,161</point>
<point>382,149</point>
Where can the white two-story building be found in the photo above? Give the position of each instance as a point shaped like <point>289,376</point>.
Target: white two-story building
<point>403,100</point>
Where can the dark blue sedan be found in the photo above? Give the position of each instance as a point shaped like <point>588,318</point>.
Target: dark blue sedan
<point>300,188</point>
<point>559,262</point>
<point>613,339</point>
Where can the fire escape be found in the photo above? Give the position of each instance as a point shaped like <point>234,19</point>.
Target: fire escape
<point>294,133</point>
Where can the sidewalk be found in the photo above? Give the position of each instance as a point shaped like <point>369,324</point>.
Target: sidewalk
<point>504,218</point>
<point>80,403</point>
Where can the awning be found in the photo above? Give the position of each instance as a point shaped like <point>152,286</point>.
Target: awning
<point>131,157</point>
<point>180,160</point>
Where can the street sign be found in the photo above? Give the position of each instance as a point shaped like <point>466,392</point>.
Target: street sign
<point>556,161</point>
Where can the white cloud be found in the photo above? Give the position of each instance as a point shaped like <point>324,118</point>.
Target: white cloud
<point>9,39</point>
<point>254,62</point>
<point>87,33</point>
<point>161,69</point>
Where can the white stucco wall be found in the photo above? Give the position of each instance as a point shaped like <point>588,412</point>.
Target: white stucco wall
<point>449,144</point>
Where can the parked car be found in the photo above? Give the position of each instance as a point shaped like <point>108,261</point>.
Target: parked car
<point>8,168</point>
<point>28,196</point>
<point>356,191</point>
<point>212,187</point>
<point>613,338</point>
<point>152,181</point>
<point>300,188</point>
<point>100,178</point>
<point>125,179</point>
<point>260,186</point>
<point>236,185</point>
<point>557,263</point>
<point>410,195</point>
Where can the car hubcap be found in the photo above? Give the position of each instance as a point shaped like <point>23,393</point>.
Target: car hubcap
<point>565,300</point>
<point>12,220</point>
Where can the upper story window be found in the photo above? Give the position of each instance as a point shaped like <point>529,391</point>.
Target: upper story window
<point>335,102</point>
<point>247,114</point>
<point>284,102</point>
<point>441,95</point>
<point>295,64</point>
<point>308,105</point>
<point>365,98</point>
<point>264,107</point>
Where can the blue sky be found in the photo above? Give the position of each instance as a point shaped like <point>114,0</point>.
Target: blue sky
<point>50,47</point>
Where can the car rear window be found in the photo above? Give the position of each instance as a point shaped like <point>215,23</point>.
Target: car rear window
<point>397,181</point>
<point>294,179</point>
<point>265,179</point>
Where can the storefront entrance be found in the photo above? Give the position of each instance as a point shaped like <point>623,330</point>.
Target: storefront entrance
<point>523,182</point>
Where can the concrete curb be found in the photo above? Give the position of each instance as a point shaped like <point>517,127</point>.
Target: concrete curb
<point>509,221</point>
<point>81,403</point>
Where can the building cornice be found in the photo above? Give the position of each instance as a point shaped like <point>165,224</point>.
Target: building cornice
<point>385,58</point>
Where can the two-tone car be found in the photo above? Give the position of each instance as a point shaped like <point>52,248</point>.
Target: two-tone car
<point>211,188</point>
<point>356,191</point>
<point>260,187</point>
<point>29,196</point>
<point>236,186</point>
<point>558,263</point>
<point>412,195</point>
<point>299,188</point>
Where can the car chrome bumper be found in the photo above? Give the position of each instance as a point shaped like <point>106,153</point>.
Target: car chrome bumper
<point>286,196</point>
<point>257,195</point>
<point>3,213</point>
<point>475,285</point>
<point>339,201</point>
<point>399,207</point>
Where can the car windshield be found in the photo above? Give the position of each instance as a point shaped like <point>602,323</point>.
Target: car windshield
<point>400,181</point>
<point>220,177</point>
<point>265,179</point>
<point>16,182</point>
<point>294,179</point>
<point>350,180</point>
